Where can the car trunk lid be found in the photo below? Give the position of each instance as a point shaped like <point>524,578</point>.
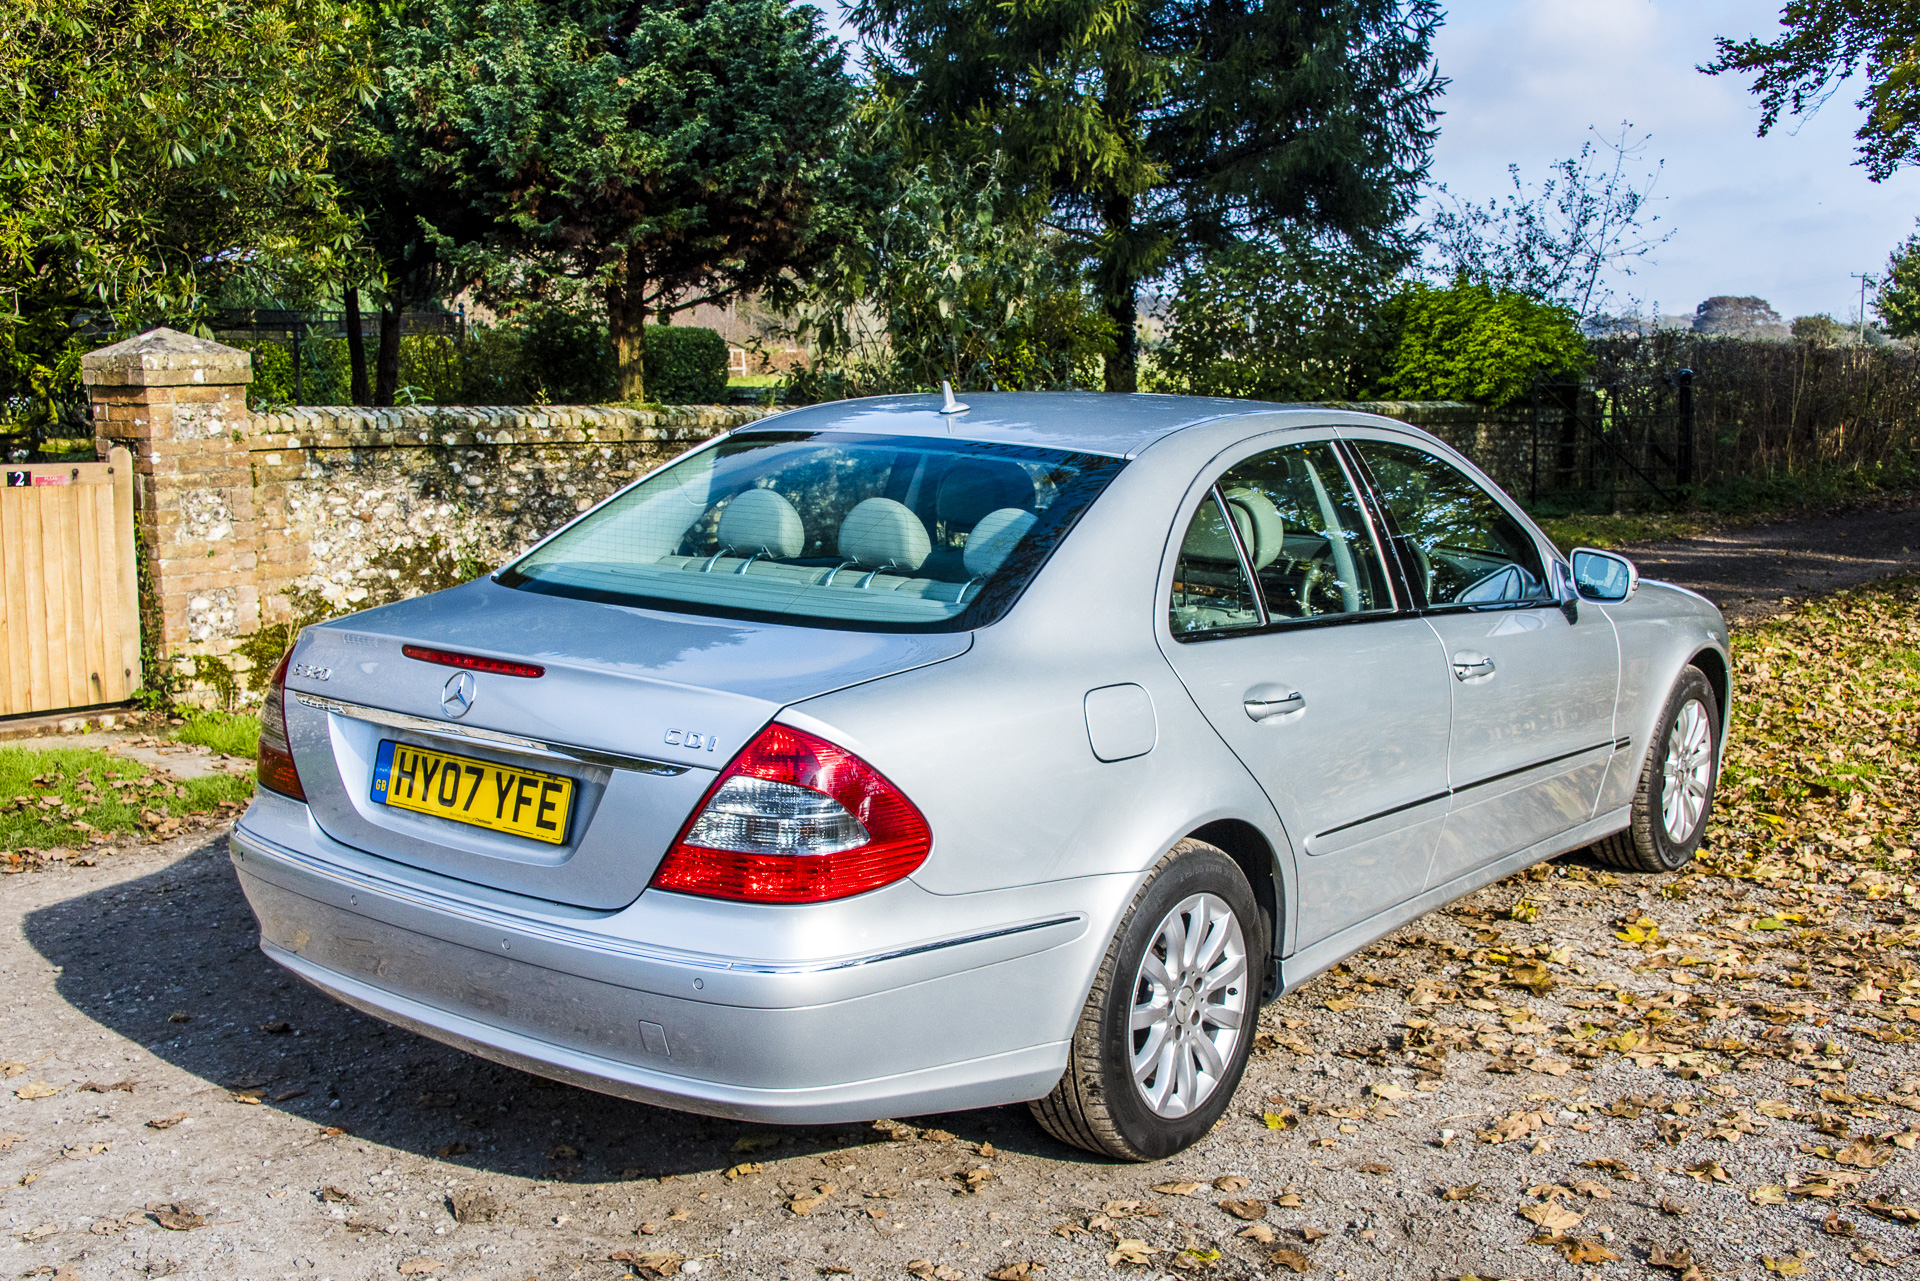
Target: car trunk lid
<point>638,708</point>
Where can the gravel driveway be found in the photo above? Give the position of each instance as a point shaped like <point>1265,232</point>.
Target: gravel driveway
<point>1570,1074</point>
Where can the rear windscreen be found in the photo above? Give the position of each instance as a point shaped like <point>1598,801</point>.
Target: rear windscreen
<point>881,532</point>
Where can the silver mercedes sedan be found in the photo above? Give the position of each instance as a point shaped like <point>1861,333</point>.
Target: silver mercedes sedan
<point>899,756</point>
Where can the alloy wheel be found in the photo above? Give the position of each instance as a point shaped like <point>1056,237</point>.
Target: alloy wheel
<point>1189,1004</point>
<point>1688,771</point>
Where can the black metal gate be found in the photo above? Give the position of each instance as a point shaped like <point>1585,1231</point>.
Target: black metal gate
<point>1605,446</point>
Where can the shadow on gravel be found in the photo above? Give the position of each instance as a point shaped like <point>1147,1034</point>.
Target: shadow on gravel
<point>181,944</point>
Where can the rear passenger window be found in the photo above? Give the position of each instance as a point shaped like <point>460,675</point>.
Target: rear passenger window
<point>1308,543</point>
<point>1290,517</point>
<point>1211,591</point>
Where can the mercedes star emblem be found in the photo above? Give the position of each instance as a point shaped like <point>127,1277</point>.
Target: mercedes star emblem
<point>457,697</point>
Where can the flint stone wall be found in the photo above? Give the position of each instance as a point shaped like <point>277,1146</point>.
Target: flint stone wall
<point>250,520</point>
<point>361,506</point>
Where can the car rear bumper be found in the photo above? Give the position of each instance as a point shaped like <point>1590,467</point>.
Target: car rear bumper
<point>973,1019</point>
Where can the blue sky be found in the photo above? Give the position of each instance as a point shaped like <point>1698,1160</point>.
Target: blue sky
<point>1787,217</point>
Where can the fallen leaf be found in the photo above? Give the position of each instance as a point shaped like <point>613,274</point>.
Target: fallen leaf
<point>1388,1090</point>
<point>755,1142</point>
<point>1289,1201</point>
<point>807,1202</point>
<point>1835,1226</point>
<point>281,1029</point>
<point>1232,1183</point>
<point>1292,1260</point>
<point>1374,1167</point>
<point>1125,1250</point>
<point>175,1218</point>
<point>1183,1188</point>
<point>1786,1266</point>
<point>1245,1209</point>
<point>742,1170</point>
<point>420,1267</point>
<point>659,1263</point>
<point>1015,1271</point>
<point>166,1122</point>
<point>1867,1254</point>
<point>1259,1232</point>
<point>1768,1194</point>
<point>456,1148</point>
<point>41,1233</point>
<point>35,1090</point>
<point>1675,1260</point>
<point>1675,1208</point>
<point>1709,1172</point>
<point>1552,1216</point>
<point>1464,1192</point>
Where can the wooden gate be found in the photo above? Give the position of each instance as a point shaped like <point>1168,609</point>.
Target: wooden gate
<point>69,595</point>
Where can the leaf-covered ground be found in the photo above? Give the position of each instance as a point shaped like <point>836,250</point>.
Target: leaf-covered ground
<point>57,799</point>
<point>1572,1074</point>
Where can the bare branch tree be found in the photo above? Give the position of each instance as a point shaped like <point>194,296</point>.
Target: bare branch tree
<point>1559,241</point>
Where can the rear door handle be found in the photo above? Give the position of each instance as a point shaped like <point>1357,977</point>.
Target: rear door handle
<point>1467,665</point>
<point>1260,708</point>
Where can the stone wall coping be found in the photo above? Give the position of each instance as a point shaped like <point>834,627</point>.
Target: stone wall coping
<point>166,358</point>
<point>427,426</point>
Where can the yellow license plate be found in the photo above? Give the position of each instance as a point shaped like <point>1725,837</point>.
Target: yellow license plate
<point>497,797</point>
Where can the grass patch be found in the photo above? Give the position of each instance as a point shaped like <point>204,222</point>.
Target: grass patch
<point>755,380</point>
<point>65,796</point>
<point>1607,531</point>
<point>1734,502</point>
<point>234,733</point>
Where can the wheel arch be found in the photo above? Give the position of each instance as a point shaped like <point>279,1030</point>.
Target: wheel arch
<point>1248,847</point>
<point>1713,665</point>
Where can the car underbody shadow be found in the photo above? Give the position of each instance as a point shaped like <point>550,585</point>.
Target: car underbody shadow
<point>171,960</point>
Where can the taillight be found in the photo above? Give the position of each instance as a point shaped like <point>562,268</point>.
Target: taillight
<point>275,767</point>
<point>795,819</point>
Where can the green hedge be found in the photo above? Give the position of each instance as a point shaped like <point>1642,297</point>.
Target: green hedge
<point>548,357</point>
<point>685,365</point>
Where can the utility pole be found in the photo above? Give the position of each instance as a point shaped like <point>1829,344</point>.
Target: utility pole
<point>1865,279</point>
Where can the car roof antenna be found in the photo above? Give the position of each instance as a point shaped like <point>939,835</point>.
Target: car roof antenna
<point>949,405</point>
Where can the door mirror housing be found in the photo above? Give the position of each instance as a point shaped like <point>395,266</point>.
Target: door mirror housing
<point>1603,576</point>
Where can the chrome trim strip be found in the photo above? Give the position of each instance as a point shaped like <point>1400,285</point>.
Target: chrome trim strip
<point>400,720</point>
<point>244,843</point>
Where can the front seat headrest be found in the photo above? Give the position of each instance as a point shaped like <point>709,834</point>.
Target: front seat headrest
<point>1259,523</point>
<point>881,532</point>
<point>970,490</point>
<point>1255,518</point>
<point>759,521</point>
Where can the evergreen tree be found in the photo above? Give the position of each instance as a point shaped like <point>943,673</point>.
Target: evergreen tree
<point>1154,129</point>
<point>660,153</point>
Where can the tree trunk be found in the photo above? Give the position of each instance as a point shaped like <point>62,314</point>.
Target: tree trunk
<point>1122,293</point>
<point>626,314</point>
<point>357,349</point>
<point>387,366</point>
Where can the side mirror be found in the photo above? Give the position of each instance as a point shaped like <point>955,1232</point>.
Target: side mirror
<point>1603,576</point>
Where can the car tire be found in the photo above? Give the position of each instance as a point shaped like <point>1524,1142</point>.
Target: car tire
<point>1098,1104</point>
<point>1684,754</point>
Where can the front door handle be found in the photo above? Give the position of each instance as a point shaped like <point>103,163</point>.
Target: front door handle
<point>1467,665</point>
<point>1260,708</point>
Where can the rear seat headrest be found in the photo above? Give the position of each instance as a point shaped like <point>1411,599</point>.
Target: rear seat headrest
<point>993,537</point>
<point>971,490</point>
<point>759,521</point>
<point>882,532</point>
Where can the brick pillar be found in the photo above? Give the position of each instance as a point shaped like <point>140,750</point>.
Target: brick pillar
<point>179,405</point>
